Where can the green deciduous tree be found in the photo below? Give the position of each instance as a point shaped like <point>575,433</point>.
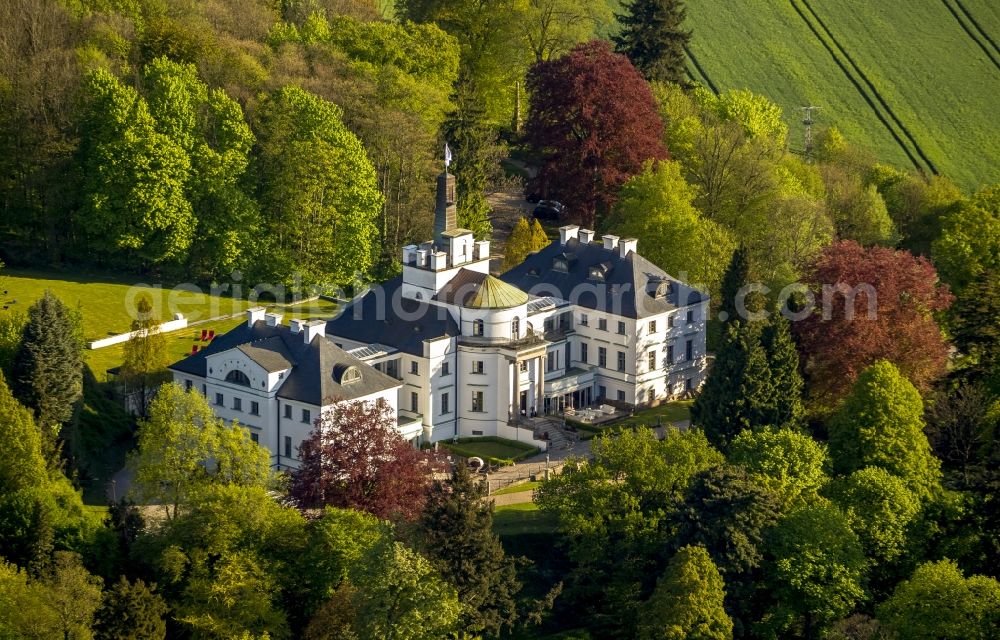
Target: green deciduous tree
<point>939,602</point>
<point>182,447</point>
<point>225,561</point>
<point>613,513</point>
<point>48,366</point>
<point>319,189</point>
<point>11,330</point>
<point>457,527</point>
<point>975,328</point>
<point>969,243</point>
<point>879,508</point>
<point>134,178</point>
<point>402,597</point>
<point>788,463</point>
<point>209,126</point>
<point>815,571</point>
<point>687,603</point>
<point>858,210</point>
<point>653,38</point>
<point>656,207</point>
<point>881,424</point>
<point>131,611</point>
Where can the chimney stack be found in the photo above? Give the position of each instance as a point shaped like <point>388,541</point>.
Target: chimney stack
<point>626,245</point>
<point>586,236</point>
<point>254,314</point>
<point>568,232</point>
<point>445,213</point>
<point>610,242</point>
<point>312,329</point>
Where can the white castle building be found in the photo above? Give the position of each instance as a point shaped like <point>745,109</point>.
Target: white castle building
<point>456,351</point>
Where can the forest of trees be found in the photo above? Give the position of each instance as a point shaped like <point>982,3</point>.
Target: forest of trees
<point>839,476</point>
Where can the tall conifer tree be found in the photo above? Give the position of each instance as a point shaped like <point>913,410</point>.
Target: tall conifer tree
<point>458,532</point>
<point>653,39</point>
<point>48,367</point>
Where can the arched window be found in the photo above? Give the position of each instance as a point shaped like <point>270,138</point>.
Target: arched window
<point>350,375</point>
<point>477,327</point>
<point>515,328</point>
<point>238,377</point>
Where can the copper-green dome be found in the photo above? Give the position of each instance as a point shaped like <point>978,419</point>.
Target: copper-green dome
<point>496,294</point>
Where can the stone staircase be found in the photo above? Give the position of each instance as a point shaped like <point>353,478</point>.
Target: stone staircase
<point>558,437</point>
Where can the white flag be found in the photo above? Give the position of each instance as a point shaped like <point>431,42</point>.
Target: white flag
<point>447,156</point>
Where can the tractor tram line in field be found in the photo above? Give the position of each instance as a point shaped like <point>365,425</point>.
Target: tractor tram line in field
<point>866,88</point>
<point>701,70</point>
<point>972,27</point>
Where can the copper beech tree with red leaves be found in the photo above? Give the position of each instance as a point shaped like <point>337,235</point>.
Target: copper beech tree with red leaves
<point>594,121</point>
<point>841,338</point>
<point>356,459</point>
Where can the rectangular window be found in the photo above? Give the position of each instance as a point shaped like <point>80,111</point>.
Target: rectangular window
<point>414,402</point>
<point>689,384</point>
<point>444,403</point>
<point>414,367</point>
<point>187,385</point>
<point>550,361</point>
<point>255,438</point>
<point>621,396</point>
<point>621,360</point>
<point>583,352</point>
<point>621,328</point>
<point>690,316</point>
<point>204,391</point>
<point>288,411</point>
<point>477,366</point>
<point>602,324</point>
<point>650,396</point>
<point>445,368</point>
<point>602,392</point>
<point>523,365</point>
<point>254,408</point>
<point>652,326</point>
<point>237,404</point>
<point>670,355</point>
<point>670,322</point>
<point>477,401</point>
<point>652,360</point>
<point>288,446</point>
<point>219,400</point>
<point>306,416</point>
<point>602,357</point>
<point>689,350</point>
<point>583,320</point>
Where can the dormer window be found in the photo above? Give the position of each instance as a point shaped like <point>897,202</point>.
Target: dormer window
<point>352,374</point>
<point>238,377</point>
<point>658,287</point>
<point>560,264</point>
<point>596,274</point>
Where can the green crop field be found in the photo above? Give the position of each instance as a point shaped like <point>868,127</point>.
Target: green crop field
<point>915,81</point>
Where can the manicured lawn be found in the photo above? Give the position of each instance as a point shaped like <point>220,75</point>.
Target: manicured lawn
<point>491,449</point>
<point>669,412</point>
<point>517,488</point>
<point>104,298</point>
<point>514,519</point>
<point>179,344</point>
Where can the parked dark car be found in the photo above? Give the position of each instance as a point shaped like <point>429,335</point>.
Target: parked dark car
<point>548,210</point>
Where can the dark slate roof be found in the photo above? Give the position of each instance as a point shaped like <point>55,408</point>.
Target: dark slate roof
<point>376,317</point>
<point>626,290</point>
<point>316,368</point>
<point>269,353</point>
